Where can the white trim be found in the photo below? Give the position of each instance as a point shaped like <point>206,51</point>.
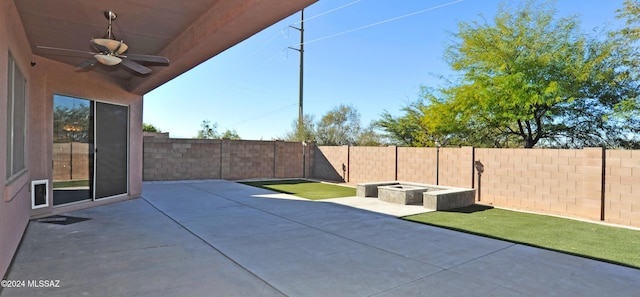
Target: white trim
<point>34,183</point>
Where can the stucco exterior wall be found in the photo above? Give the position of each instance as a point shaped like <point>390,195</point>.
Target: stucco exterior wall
<point>44,79</point>
<point>49,78</point>
<point>14,197</point>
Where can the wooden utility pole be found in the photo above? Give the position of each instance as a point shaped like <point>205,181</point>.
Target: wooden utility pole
<point>301,84</point>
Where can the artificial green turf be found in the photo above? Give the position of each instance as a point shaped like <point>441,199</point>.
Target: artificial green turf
<point>305,189</point>
<point>71,183</point>
<point>607,243</point>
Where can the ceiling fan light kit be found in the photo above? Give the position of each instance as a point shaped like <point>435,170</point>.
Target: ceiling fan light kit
<point>111,52</point>
<point>108,59</point>
<point>114,46</point>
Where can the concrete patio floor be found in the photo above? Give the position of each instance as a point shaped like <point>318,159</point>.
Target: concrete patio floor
<point>220,238</point>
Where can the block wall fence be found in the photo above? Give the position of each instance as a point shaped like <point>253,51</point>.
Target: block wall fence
<point>189,159</point>
<point>591,183</point>
<point>71,161</point>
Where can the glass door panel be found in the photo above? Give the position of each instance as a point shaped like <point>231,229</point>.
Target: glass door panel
<point>72,149</point>
<point>90,150</point>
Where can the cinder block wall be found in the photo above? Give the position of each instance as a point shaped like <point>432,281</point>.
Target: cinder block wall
<point>561,182</point>
<point>289,159</point>
<point>185,159</point>
<point>371,164</point>
<point>366,164</point>
<point>248,159</point>
<point>71,161</point>
<point>456,167</point>
<point>417,164</point>
<point>329,162</point>
<point>622,202</point>
<point>181,159</point>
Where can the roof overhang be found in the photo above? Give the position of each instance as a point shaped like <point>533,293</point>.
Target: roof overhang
<point>186,32</point>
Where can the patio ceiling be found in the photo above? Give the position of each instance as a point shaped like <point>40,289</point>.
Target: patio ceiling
<point>186,32</point>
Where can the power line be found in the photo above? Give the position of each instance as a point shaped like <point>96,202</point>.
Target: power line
<point>274,111</point>
<point>383,22</point>
<point>281,32</point>
<point>328,12</point>
<point>263,114</point>
<point>260,48</point>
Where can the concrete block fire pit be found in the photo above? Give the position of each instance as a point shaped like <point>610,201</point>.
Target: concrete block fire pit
<point>406,193</point>
<point>401,194</point>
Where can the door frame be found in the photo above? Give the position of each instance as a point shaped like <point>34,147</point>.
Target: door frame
<point>96,154</point>
<point>92,152</point>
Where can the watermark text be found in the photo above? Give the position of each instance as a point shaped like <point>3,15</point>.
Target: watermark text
<point>30,283</point>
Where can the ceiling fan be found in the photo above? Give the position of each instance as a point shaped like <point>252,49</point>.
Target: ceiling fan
<point>111,52</point>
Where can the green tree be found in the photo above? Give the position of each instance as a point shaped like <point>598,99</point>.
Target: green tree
<point>368,136</point>
<point>630,34</point>
<point>339,126</point>
<point>422,124</point>
<point>208,130</point>
<point>72,124</point>
<point>403,130</point>
<point>532,76</point>
<point>150,128</point>
<point>520,72</point>
<point>628,53</point>
<point>301,133</point>
<point>230,134</point>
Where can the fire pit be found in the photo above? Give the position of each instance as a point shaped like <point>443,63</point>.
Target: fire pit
<point>401,194</point>
<point>430,196</point>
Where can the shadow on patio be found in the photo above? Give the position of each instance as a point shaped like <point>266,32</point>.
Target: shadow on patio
<point>220,238</point>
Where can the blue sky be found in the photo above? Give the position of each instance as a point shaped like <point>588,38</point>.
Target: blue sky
<point>253,86</point>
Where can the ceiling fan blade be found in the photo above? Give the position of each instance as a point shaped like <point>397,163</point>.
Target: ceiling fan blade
<point>135,66</point>
<point>118,47</point>
<point>65,49</point>
<point>100,47</point>
<point>87,63</point>
<point>146,58</point>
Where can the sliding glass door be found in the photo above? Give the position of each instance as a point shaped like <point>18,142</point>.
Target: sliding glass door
<point>90,149</point>
<point>112,126</point>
